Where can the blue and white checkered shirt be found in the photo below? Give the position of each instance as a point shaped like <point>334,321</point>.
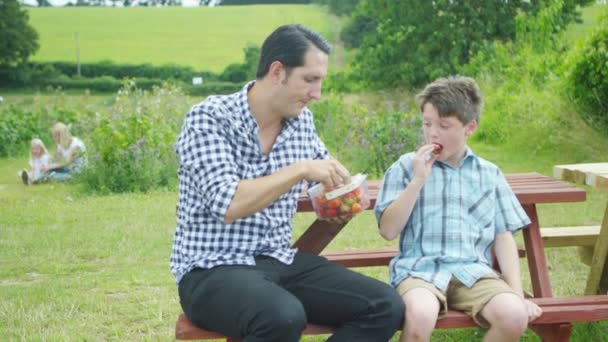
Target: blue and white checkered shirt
<point>217,147</point>
<point>454,222</point>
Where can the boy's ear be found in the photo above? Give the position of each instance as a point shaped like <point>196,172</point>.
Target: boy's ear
<point>470,127</point>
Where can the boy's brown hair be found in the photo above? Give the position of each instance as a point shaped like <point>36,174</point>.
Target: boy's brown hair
<point>457,96</point>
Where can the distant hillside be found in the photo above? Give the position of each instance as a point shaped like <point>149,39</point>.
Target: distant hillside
<point>202,37</point>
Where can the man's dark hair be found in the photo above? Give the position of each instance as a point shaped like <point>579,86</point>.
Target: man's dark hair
<point>288,44</point>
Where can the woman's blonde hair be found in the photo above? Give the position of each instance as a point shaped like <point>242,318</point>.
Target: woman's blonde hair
<point>39,143</point>
<point>65,137</point>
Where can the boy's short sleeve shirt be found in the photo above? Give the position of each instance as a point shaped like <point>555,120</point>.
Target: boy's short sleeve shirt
<point>454,222</point>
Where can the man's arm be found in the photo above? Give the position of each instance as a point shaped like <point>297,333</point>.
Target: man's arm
<point>253,195</point>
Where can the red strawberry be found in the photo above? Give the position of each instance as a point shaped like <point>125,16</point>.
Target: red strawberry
<point>437,150</point>
<point>331,213</point>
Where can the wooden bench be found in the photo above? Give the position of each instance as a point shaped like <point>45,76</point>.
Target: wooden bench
<point>530,189</point>
<point>594,175</point>
<point>556,310</point>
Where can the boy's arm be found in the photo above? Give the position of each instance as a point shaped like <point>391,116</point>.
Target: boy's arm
<point>508,259</point>
<point>396,215</point>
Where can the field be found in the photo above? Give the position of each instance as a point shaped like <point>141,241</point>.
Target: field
<point>208,39</point>
<point>92,267</point>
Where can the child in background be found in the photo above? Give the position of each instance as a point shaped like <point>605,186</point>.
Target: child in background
<point>450,208</point>
<point>39,160</point>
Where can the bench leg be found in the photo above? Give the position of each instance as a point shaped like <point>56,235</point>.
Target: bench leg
<point>553,332</point>
<point>597,282</point>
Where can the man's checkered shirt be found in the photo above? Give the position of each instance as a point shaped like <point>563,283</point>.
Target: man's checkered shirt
<point>454,222</point>
<point>217,147</point>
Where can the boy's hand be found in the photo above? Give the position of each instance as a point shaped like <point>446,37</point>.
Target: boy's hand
<point>422,165</point>
<point>534,311</point>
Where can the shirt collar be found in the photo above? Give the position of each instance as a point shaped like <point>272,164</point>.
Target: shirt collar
<point>468,155</point>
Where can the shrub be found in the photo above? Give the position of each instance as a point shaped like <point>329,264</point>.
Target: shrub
<point>131,150</point>
<point>21,122</point>
<point>587,81</point>
<point>366,140</point>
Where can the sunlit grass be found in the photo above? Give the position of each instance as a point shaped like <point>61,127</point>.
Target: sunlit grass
<point>205,38</point>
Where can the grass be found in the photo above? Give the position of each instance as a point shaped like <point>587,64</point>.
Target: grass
<point>589,16</point>
<point>75,267</point>
<point>205,38</point>
<point>96,267</point>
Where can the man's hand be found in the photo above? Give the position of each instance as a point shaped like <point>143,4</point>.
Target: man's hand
<point>329,172</point>
<point>534,311</point>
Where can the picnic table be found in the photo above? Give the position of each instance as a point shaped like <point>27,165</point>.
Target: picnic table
<point>531,189</point>
<point>594,175</point>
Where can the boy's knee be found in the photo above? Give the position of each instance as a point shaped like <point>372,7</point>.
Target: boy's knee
<point>511,319</point>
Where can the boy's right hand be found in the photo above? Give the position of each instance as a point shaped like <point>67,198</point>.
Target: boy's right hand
<point>421,165</point>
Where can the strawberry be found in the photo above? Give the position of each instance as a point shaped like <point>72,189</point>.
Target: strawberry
<point>437,150</point>
<point>331,213</point>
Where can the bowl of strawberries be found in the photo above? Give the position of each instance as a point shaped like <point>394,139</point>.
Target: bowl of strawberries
<point>343,202</point>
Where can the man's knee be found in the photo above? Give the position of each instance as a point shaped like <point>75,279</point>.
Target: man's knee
<point>279,322</point>
<point>391,306</point>
<point>397,307</point>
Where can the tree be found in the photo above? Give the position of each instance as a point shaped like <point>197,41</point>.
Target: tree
<point>18,40</point>
<point>412,42</point>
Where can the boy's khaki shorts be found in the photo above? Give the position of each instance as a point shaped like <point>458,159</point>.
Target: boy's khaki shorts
<point>459,297</point>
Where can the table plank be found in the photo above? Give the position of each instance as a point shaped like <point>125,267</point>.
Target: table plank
<point>530,188</point>
<point>592,174</point>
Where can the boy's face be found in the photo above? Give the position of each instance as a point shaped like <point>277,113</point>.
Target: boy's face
<point>302,84</point>
<point>447,131</point>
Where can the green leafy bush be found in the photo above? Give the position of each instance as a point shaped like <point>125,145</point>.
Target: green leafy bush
<point>364,139</point>
<point>19,123</point>
<point>587,80</point>
<point>131,148</point>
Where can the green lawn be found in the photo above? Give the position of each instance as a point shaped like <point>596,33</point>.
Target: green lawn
<point>96,267</point>
<point>205,38</point>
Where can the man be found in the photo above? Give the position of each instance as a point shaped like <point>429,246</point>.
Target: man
<point>244,161</point>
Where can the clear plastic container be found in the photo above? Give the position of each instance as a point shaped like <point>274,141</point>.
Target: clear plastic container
<point>343,202</point>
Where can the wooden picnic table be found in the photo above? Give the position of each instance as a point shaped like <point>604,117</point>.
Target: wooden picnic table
<point>594,175</point>
<point>530,188</point>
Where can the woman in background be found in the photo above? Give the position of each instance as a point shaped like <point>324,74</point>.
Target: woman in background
<point>70,157</point>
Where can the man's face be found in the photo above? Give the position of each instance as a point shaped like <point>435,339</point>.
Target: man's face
<point>302,84</point>
<point>447,131</point>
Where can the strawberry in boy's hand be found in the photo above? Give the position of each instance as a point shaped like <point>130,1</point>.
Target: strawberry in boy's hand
<point>435,152</point>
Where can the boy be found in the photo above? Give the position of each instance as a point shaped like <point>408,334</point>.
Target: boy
<point>450,207</point>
